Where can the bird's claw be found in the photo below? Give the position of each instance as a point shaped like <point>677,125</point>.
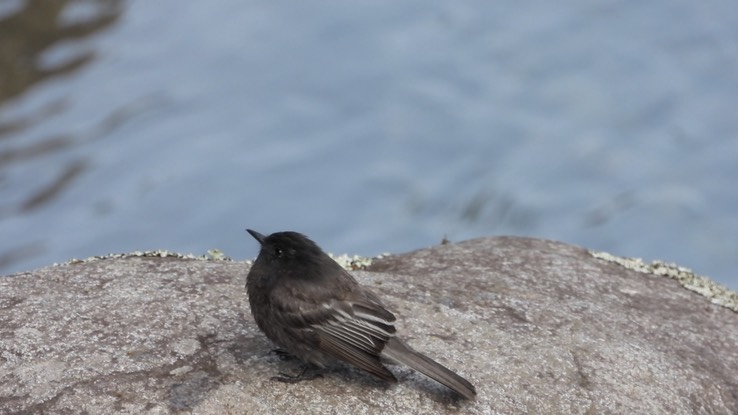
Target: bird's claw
<point>304,375</point>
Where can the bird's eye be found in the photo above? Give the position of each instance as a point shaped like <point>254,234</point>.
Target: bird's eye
<point>278,251</point>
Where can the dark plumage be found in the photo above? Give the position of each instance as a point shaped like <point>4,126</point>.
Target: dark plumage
<point>309,305</point>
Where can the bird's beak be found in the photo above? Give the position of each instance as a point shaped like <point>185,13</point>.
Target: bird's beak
<point>259,237</point>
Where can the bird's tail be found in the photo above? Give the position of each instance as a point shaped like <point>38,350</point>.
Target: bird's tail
<point>397,350</point>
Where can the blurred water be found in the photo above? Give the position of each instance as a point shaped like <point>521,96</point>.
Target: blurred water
<point>370,126</point>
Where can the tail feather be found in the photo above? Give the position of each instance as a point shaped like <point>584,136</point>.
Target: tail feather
<point>396,350</point>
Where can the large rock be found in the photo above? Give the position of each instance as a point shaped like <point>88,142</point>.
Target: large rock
<point>537,326</point>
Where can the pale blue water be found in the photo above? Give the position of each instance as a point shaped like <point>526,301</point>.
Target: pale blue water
<point>381,127</point>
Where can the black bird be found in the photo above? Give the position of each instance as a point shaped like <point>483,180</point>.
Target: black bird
<point>309,305</point>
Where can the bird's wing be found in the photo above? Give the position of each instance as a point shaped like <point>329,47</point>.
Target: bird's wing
<point>354,330</point>
<point>358,325</point>
<point>357,333</point>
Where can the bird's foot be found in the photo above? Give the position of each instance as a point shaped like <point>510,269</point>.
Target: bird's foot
<point>304,375</point>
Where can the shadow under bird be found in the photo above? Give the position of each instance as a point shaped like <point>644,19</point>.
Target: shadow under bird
<point>310,306</point>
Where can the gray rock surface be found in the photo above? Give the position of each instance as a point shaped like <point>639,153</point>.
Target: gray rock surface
<point>537,326</point>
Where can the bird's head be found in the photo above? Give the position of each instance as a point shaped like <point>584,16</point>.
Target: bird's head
<point>287,248</point>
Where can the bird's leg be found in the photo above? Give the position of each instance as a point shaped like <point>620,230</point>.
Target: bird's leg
<point>304,375</point>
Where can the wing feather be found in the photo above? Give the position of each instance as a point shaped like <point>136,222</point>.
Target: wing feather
<point>354,329</point>
<point>357,357</point>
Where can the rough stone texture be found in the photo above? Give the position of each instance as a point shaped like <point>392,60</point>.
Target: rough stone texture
<point>537,326</point>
